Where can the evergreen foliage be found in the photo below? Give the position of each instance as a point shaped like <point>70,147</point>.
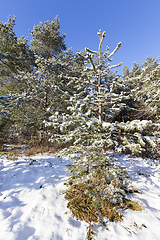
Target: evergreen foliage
<point>36,86</point>
<point>149,91</point>
<point>47,40</point>
<point>137,136</point>
<point>15,54</point>
<point>141,87</point>
<point>96,179</point>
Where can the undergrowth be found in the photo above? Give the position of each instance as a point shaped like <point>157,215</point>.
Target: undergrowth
<point>13,154</point>
<point>38,149</point>
<point>99,196</point>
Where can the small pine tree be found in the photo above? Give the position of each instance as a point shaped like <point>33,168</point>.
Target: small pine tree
<point>97,185</point>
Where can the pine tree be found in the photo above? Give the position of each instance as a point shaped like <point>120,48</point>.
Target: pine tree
<point>47,40</point>
<point>125,72</point>
<point>148,91</point>
<point>39,89</point>
<point>96,181</point>
<point>140,132</point>
<point>15,54</point>
<point>95,87</point>
<point>142,87</point>
<point>46,90</point>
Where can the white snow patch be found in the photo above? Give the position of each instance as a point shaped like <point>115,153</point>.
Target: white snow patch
<point>33,207</point>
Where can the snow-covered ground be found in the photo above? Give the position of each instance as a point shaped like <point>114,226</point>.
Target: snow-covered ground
<point>33,207</point>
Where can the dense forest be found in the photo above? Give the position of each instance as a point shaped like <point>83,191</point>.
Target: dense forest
<point>78,105</point>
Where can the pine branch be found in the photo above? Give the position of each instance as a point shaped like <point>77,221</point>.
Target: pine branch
<point>88,50</point>
<point>115,50</point>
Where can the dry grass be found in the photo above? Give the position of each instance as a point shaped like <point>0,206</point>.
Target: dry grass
<point>90,201</point>
<point>85,209</point>
<point>50,148</point>
<point>13,154</point>
<point>132,205</point>
<point>38,149</point>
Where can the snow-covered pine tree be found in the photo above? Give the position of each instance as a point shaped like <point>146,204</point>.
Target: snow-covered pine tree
<point>141,84</point>
<point>45,90</point>
<point>141,131</point>
<point>37,85</point>
<point>86,110</point>
<point>97,185</point>
<point>148,91</point>
<point>15,54</point>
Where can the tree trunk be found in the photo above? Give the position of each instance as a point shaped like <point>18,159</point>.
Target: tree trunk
<point>99,91</point>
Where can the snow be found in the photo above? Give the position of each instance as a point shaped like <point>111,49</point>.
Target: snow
<point>107,125</point>
<point>5,113</point>
<point>33,207</point>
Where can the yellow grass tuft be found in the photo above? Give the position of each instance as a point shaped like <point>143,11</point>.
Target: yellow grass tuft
<point>13,154</point>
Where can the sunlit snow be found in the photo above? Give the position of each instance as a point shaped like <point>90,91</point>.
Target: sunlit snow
<point>33,207</point>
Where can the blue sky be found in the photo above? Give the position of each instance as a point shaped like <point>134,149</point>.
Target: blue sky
<point>135,23</point>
